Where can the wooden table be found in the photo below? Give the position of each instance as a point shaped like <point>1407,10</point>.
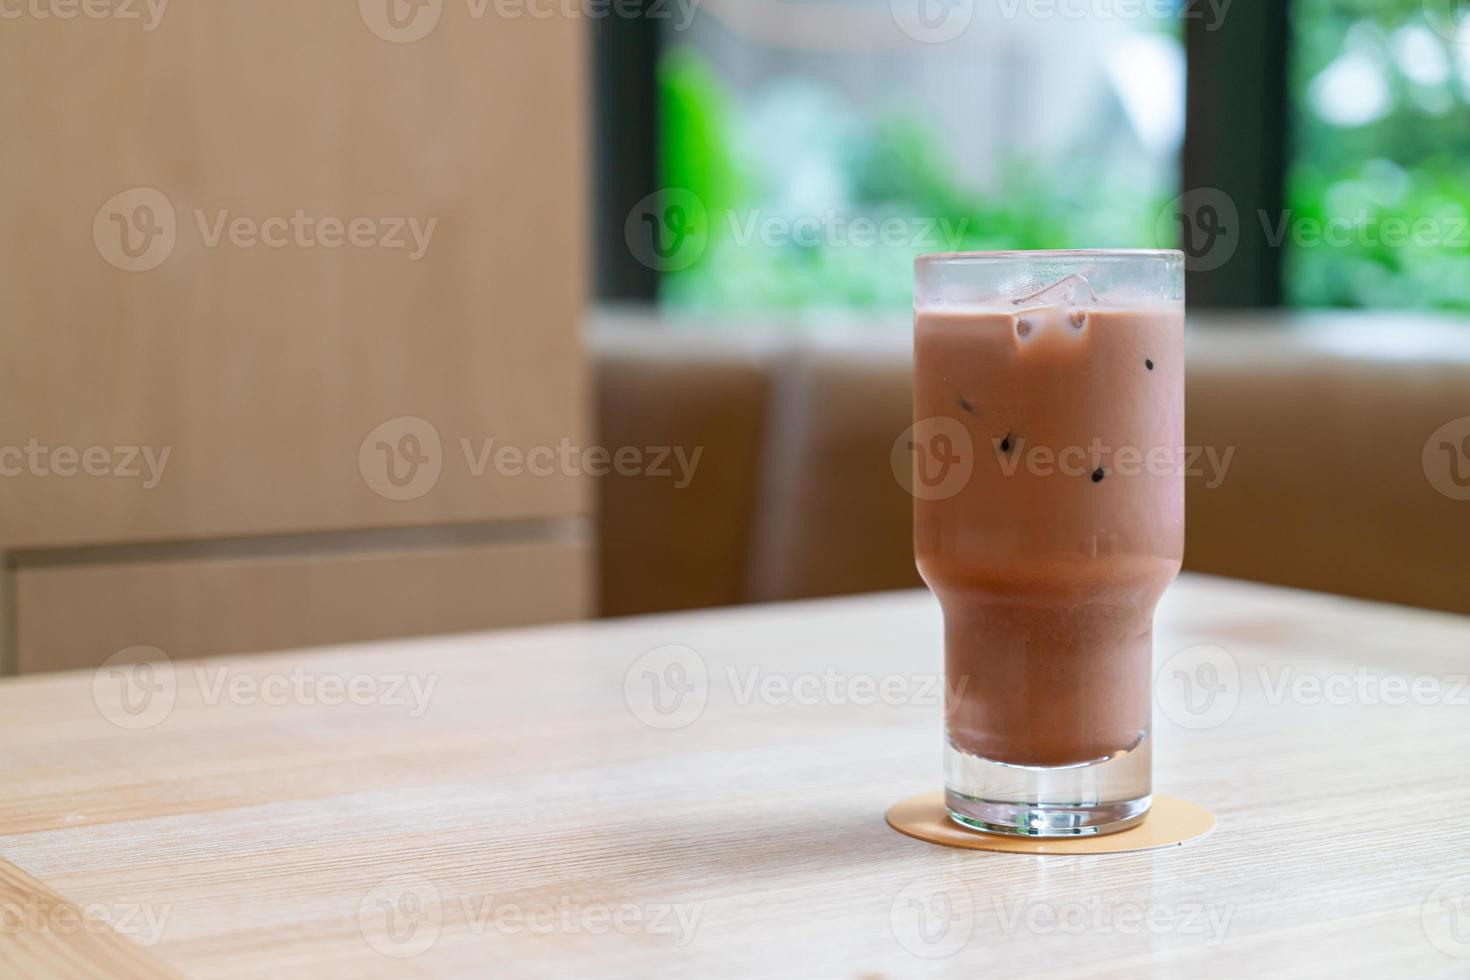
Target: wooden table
<point>531,812</point>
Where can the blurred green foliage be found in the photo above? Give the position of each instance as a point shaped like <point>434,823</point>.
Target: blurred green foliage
<point>893,166</point>
<point>1406,161</point>
<point>1365,174</point>
<point>697,123</point>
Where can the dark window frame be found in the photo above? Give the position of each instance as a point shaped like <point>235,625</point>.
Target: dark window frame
<point>1235,142</point>
<point>625,166</point>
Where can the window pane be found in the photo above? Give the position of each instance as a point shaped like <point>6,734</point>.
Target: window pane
<point>827,147</point>
<point>1378,194</point>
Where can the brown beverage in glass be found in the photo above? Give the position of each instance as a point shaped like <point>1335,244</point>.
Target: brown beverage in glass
<point>1060,376</point>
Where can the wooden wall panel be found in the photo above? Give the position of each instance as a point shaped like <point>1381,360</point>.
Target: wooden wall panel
<point>76,616</point>
<point>263,369</point>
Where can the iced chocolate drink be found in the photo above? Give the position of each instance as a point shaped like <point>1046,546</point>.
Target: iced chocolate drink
<point>1061,377</point>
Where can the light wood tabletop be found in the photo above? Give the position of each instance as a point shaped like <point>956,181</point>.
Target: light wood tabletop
<point>703,795</point>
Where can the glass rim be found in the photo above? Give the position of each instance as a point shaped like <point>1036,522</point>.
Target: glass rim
<point>1043,255</point>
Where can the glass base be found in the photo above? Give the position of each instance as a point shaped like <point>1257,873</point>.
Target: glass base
<point>1088,799</point>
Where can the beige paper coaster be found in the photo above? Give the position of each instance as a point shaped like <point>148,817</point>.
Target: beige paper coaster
<point>1170,822</point>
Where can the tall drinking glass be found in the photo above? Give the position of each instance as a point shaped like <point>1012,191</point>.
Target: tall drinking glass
<point>1048,520</point>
